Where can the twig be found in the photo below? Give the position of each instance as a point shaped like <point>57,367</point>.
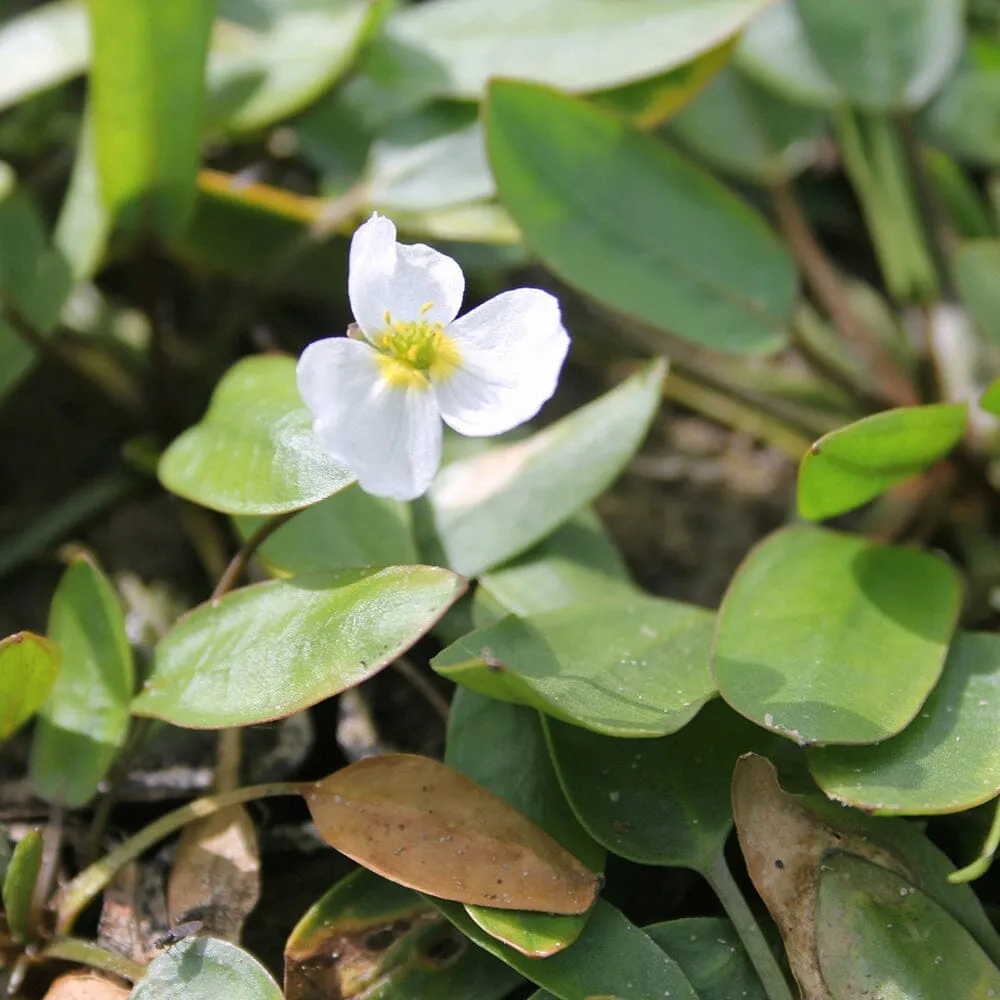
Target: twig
<point>51,846</point>
<point>828,288</point>
<point>239,561</point>
<point>431,695</point>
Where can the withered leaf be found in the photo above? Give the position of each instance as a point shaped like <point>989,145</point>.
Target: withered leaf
<point>423,825</point>
<point>85,986</point>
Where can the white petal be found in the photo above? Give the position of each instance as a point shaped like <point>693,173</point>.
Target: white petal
<point>389,437</point>
<point>386,276</point>
<point>512,349</point>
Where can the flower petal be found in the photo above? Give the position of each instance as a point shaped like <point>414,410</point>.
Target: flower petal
<point>512,349</point>
<point>401,279</point>
<point>389,436</point>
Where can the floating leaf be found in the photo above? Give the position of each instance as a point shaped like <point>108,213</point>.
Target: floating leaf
<point>368,933</point>
<point>523,777</point>
<point>254,451</point>
<point>29,665</point>
<point>19,884</point>
<point>266,651</point>
<point>947,759</point>
<point>849,466</point>
<point>205,968</point>
<point>573,44</point>
<point>629,667</point>
<point>84,721</point>
<point>636,226</point>
<point>428,827</point>
<point>828,638</point>
<point>495,505</point>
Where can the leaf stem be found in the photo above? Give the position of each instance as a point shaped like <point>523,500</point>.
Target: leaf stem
<point>80,952</point>
<point>77,894</point>
<point>720,878</point>
<point>981,865</point>
<point>239,561</point>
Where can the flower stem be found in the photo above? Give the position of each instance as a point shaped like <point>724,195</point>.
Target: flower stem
<point>980,866</point>
<point>80,952</point>
<point>78,893</point>
<point>720,878</point>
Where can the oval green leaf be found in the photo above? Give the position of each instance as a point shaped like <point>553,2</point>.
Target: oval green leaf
<point>266,651</point>
<point>84,721</point>
<point>876,933</point>
<point>851,465</point>
<point>634,225</point>
<point>524,777</point>
<point>254,451</point>
<point>205,968</point>
<point>890,55</point>
<point>828,638</point>
<point>428,827</point>
<point>577,45</point>
<point>488,508</point>
<point>947,759</point>
<point>367,933</point>
<point>657,802</point>
<point>19,883</point>
<point>29,665</point>
<point>349,529</point>
<point>628,667</point>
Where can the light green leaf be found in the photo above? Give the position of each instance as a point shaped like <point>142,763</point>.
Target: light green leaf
<point>850,466</point>
<point>976,267</point>
<point>829,638</point>
<point>205,968</point>
<point>146,98</point>
<point>990,400</point>
<point>254,451</point>
<point>351,528</point>
<point>271,58</point>
<point>266,651</point>
<point>19,883</point>
<point>947,759</point>
<point>634,225</point>
<point>890,55</point>
<point>628,667</point>
<point>522,776</point>
<point>42,47</point>
<point>578,45</point>
<point>84,721</point>
<point>488,508</point>
<point>29,665</point>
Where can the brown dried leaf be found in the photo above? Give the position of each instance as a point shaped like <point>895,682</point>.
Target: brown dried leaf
<point>216,874</point>
<point>423,825</point>
<point>784,844</point>
<point>85,986</point>
<point>134,912</point>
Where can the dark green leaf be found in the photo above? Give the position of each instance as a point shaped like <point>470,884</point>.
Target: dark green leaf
<point>29,665</point>
<point>266,651</point>
<point>634,225</point>
<point>977,273</point>
<point>828,638</point>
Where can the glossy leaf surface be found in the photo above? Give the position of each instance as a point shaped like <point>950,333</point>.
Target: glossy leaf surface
<point>29,665</point>
<point>266,651</point>
<point>827,638</point>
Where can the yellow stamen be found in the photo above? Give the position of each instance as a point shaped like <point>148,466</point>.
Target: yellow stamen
<point>416,351</point>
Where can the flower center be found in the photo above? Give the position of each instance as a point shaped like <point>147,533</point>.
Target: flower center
<point>415,351</point>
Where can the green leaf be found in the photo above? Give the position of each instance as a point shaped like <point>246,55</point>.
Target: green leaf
<point>351,528</point>
<point>636,226</point>
<point>829,638</point>
<point>146,97</point>
<point>495,505</point>
<point>84,721</point>
<point>524,777</point>
<point>406,947</point>
<point>630,667</point>
<point>41,48</point>
<point>254,451</point>
<point>851,465</point>
<point>29,665</point>
<point>891,55</point>
<point>976,267</point>
<point>578,45</point>
<point>271,58</point>
<point>876,931</point>
<point>658,802</point>
<point>612,957</point>
<point>205,968</point>
<point>947,759</point>
<point>990,400</point>
<point>19,884</point>
<point>266,651</point>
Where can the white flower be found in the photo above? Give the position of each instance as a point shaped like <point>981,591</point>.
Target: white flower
<point>377,401</point>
